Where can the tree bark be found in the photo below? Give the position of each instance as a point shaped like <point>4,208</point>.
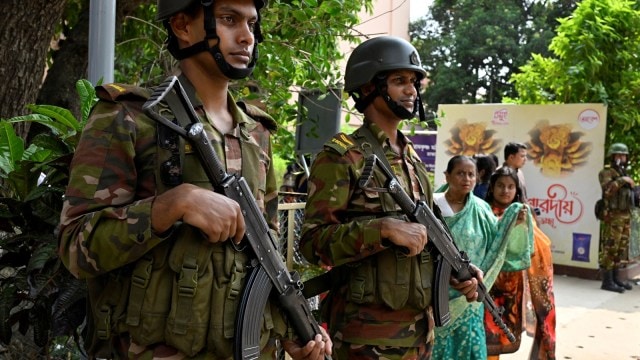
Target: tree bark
<point>25,36</point>
<point>70,62</point>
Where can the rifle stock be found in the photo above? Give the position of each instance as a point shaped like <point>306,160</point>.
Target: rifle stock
<point>451,261</point>
<point>268,270</point>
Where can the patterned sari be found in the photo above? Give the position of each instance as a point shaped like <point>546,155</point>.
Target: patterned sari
<point>484,238</point>
<point>534,288</point>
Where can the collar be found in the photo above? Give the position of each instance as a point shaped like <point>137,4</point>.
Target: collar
<point>382,137</point>
<point>243,124</point>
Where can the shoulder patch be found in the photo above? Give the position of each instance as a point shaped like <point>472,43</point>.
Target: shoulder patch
<point>341,143</point>
<point>118,92</point>
<point>257,114</point>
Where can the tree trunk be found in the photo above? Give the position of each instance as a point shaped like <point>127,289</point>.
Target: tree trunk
<point>71,60</point>
<point>25,36</point>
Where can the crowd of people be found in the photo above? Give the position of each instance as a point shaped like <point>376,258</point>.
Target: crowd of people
<point>163,254</point>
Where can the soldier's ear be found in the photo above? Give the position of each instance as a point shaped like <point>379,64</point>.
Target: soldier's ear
<point>183,27</point>
<point>367,89</point>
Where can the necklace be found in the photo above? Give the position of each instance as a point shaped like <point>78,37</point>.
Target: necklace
<point>446,196</point>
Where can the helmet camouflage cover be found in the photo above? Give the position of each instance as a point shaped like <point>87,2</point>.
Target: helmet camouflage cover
<point>618,148</point>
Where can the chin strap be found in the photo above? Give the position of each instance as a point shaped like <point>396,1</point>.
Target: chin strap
<point>400,110</point>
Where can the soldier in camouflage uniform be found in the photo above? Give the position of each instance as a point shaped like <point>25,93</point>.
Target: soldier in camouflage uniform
<point>617,192</point>
<point>140,220</point>
<point>379,305</point>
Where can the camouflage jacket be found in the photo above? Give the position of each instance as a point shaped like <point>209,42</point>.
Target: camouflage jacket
<point>616,192</point>
<point>115,176</point>
<point>342,227</point>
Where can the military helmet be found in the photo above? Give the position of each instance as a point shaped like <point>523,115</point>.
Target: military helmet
<point>166,8</point>
<point>618,148</point>
<point>378,55</point>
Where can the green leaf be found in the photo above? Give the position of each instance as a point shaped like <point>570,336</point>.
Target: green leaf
<point>88,98</point>
<point>61,115</point>
<point>41,256</point>
<point>58,129</point>
<point>11,148</point>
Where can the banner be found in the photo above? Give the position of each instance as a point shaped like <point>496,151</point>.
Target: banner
<point>425,144</point>
<point>565,153</point>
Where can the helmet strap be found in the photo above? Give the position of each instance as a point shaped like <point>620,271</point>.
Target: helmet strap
<point>396,108</point>
<point>361,103</point>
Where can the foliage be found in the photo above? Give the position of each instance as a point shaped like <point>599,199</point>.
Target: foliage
<point>594,60</point>
<point>471,48</point>
<point>37,294</point>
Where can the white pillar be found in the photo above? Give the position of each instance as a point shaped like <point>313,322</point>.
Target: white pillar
<point>102,24</point>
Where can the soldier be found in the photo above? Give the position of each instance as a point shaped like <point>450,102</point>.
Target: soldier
<point>140,220</point>
<point>379,305</point>
<point>617,192</point>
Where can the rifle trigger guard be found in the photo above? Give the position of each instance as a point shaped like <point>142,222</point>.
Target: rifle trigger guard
<point>238,247</point>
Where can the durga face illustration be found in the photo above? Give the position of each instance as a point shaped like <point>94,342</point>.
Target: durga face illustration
<point>556,149</point>
<point>471,138</point>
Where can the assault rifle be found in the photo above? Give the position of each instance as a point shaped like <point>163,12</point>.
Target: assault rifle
<point>267,269</point>
<point>450,258</point>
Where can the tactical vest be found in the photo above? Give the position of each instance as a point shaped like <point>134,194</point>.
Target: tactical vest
<point>185,291</point>
<point>623,199</point>
<point>389,277</point>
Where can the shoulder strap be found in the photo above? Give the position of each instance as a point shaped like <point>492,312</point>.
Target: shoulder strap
<point>340,143</point>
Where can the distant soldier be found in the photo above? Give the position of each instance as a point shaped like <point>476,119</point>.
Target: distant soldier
<point>618,195</point>
<point>379,306</point>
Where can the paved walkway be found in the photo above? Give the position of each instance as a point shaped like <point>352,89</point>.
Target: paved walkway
<point>592,324</point>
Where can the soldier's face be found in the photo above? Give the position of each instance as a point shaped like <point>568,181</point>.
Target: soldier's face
<point>620,158</point>
<point>235,25</point>
<point>401,88</point>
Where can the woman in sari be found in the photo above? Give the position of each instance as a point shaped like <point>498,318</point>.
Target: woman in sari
<point>534,284</point>
<point>489,243</point>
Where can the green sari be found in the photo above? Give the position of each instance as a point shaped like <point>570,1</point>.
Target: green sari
<point>492,245</point>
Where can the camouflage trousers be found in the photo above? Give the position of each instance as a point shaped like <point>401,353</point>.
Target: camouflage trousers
<point>614,240</point>
<point>344,351</point>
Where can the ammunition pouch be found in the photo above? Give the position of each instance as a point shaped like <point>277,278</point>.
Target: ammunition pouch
<point>190,260</point>
<point>107,298</point>
<point>393,279</point>
<point>150,296</point>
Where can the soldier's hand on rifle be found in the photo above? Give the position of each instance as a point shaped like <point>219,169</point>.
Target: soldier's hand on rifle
<point>217,216</point>
<point>314,350</point>
<point>629,181</point>
<point>468,288</point>
<point>412,236</point>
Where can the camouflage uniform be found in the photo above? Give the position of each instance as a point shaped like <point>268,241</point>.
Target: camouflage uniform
<point>616,229</point>
<point>342,229</point>
<point>123,160</point>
